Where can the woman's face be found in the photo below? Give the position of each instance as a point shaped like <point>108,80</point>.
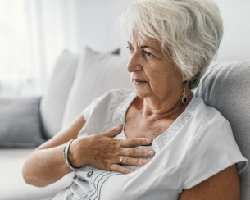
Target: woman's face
<point>151,73</point>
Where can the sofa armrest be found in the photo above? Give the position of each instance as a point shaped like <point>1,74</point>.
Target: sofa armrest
<point>20,122</point>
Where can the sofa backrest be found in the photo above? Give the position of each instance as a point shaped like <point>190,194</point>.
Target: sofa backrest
<point>226,87</point>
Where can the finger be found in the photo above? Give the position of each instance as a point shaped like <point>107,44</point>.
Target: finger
<point>135,152</point>
<point>113,132</point>
<point>134,142</point>
<point>119,168</point>
<point>134,161</point>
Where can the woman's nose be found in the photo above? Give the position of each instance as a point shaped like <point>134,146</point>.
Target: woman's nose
<point>134,63</point>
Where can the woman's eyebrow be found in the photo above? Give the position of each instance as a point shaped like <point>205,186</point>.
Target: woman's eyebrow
<point>149,48</point>
<point>145,47</point>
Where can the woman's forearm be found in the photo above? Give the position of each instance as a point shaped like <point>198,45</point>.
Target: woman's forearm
<point>45,166</point>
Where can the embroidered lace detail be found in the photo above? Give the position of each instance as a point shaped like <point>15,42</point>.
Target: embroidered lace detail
<point>164,138</point>
<point>75,186</point>
<point>89,187</point>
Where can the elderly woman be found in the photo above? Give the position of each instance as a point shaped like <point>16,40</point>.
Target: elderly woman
<point>169,145</point>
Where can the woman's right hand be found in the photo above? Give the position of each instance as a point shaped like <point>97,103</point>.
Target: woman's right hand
<point>104,152</point>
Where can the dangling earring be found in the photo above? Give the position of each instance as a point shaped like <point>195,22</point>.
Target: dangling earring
<point>184,97</point>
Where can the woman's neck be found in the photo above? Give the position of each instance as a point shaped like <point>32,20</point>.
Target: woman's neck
<point>153,109</point>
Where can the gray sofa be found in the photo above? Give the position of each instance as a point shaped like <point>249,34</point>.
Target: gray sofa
<point>77,79</point>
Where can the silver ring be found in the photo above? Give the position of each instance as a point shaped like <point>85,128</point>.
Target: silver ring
<point>121,157</point>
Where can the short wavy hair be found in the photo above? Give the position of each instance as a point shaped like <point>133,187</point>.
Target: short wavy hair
<point>189,31</point>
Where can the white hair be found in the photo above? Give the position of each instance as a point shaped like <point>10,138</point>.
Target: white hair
<point>189,31</point>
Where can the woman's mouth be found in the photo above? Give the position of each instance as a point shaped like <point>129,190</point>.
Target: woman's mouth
<point>138,82</point>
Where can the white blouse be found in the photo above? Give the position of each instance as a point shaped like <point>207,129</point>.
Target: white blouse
<point>197,145</point>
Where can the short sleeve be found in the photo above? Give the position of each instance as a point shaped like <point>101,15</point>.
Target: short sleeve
<point>88,110</point>
<point>213,149</point>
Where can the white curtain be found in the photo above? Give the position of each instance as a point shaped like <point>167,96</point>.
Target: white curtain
<point>33,33</point>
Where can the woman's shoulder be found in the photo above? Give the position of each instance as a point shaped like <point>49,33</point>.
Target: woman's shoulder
<point>200,110</point>
<point>211,147</point>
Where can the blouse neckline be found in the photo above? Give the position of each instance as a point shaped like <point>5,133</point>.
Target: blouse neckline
<point>161,140</point>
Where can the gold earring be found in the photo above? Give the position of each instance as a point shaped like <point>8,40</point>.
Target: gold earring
<point>184,97</point>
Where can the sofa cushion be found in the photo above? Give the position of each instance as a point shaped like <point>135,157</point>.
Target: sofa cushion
<point>226,86</point>
<point>96,74</point>
<point>55,97</point>
<point>12,184</point>
<point>20,123</point>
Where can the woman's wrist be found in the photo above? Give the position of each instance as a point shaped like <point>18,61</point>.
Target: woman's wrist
<point>71,153</point>
<point>69,157</point>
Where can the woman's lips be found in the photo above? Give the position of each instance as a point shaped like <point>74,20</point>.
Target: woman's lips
<point>138,81</point>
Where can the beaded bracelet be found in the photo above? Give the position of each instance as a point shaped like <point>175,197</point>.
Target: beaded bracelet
<point>65,155</point>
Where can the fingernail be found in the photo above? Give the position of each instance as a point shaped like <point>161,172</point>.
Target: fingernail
<point>145,161</point>
<point>150,153</point>
<point>148,140</point>
<point>130,171</point>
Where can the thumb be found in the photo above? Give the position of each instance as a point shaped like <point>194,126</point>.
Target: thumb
<point>113,132</point>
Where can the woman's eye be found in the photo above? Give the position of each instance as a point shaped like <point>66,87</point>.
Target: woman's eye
<point>149,54</point>
<point>130,48</point>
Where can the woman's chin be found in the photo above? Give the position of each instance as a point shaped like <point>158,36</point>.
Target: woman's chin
<point>142,93</point>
